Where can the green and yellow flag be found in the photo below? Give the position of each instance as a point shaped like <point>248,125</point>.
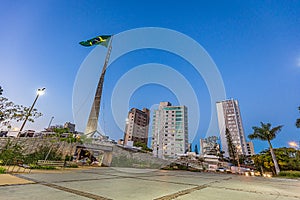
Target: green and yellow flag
<point>102,40</point>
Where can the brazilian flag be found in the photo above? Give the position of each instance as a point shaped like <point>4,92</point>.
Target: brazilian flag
<point>102,39</point>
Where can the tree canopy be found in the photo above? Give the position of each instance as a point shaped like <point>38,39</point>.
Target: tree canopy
<point>10,112</point>
<point>231,147</point>
<point>288,159</point>
<point>143,145</point>
<point>264,132</point>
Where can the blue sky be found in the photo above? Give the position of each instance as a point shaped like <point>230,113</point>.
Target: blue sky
<point>255,45</point>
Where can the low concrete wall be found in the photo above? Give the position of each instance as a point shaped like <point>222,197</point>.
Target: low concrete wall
<point>129,158</point>
<point>30,145</point>
<point>113,155</point>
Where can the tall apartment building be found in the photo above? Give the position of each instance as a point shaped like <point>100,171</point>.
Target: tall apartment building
<point>209,146</point>
<point>250,148</point>
<point>169,130</point>
<point>137,126</point>
<point>229,116</point>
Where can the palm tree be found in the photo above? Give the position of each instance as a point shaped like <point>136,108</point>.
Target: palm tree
<point>298,120</point>
<point>265,133</point>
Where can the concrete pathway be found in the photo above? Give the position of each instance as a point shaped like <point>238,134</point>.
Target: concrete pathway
<point>122,183</point>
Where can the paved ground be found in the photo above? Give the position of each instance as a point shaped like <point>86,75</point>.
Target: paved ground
<point>121,183</point>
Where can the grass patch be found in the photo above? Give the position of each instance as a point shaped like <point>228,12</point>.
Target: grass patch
<point>2,170</point>
<point>290,174</point>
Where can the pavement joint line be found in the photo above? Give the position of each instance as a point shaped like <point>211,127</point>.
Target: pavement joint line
<point>18,184</point>
<point>114,175</point>
<point>134,176</point>
<point>159,175</point>
<point>65,189</point>
<point>92,179</point>
<point>145,178</point>
<point>26,178</point>
<point>155,180</point>
<point>66,181</point>
<point>185,192</point>
<point>256,192</point>
<point>181,193</point>
<point>77,192</point>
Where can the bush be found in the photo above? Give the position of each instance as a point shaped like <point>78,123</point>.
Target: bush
<point>34,166</point>
<point>290,174</point>
<point>11,152</point>
<point>72,166</point>
<point>68,158</point>
<point>144,146</point>
<point>2,170</point>
<point>41,154</point>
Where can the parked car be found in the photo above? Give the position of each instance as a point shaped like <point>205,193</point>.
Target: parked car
<point>223,170</point>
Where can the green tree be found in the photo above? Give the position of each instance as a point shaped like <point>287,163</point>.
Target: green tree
<point>143,145</point>
<point>11,112</point>
<point>288,159</point>
<point>231,147</point>
<point>60,131</point>
<point>298,120</point>
<point>266,133</point>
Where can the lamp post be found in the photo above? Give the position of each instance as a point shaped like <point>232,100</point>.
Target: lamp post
<point>39,92</point>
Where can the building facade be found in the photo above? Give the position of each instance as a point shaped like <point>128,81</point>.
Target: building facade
<point>229,117</point>
<point>137,126</point>
<point>250,148</point>
<point>209,146</point>
<point>70,126</point>
<point>169,131</point>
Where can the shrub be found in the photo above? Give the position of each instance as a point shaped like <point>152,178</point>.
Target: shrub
<point>290,174</point>
<point>68,158</point>
<point>72,166</point>
<point>2,170</point>
<point>41,154</point>
<point>11,152</point>
<point>34,166</point>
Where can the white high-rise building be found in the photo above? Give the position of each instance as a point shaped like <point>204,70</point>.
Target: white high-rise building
<point>229,117</point>
<point>169,130</point>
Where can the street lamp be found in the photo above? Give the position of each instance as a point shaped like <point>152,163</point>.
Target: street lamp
<point>39,92</point>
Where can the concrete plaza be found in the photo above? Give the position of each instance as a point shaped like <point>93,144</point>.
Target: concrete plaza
<point>141,184</point>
